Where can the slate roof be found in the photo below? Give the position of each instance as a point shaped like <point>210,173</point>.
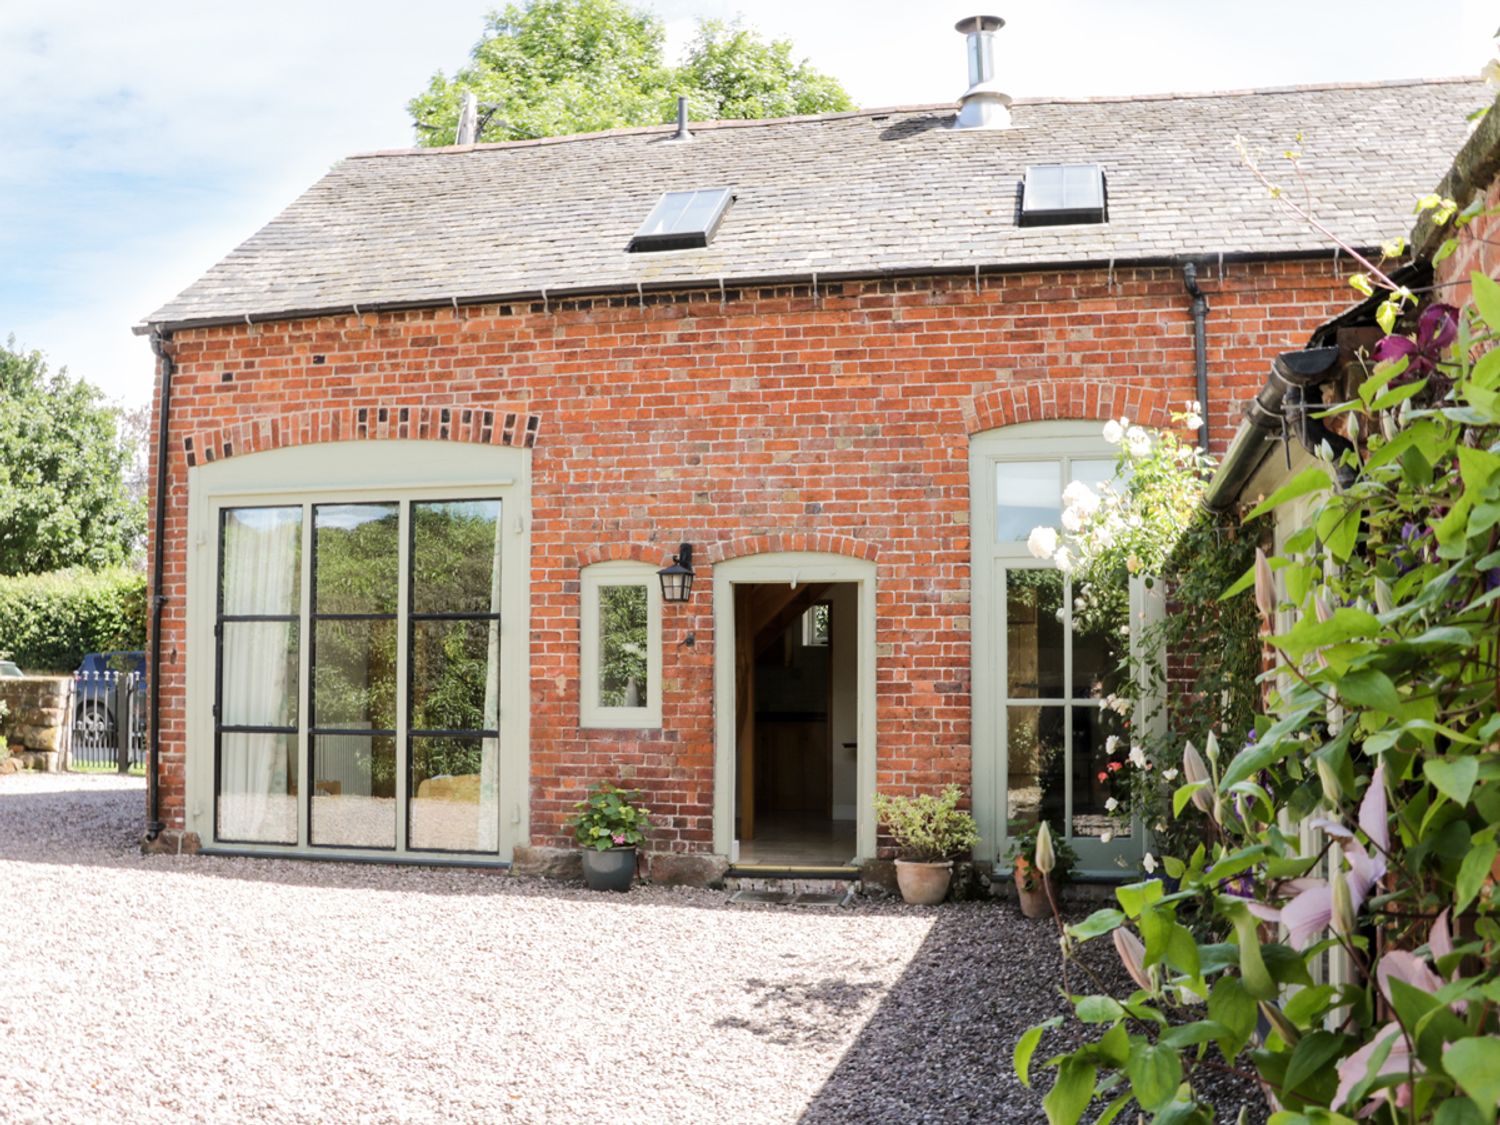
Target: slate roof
<point>849,194</point>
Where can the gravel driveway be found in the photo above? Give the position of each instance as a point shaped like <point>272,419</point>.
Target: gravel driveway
<point>201,989</point>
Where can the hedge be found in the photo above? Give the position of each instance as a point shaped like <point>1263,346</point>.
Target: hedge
<point>49,621</point>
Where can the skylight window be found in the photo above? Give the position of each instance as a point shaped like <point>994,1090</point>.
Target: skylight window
<point>682,220</point>
<point>1058,194</point>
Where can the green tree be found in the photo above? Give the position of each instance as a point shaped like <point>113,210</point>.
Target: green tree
<point>551,67</point>
<point>64,499</point>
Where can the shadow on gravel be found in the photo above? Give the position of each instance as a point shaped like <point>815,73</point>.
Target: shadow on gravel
<point>939,1047</point>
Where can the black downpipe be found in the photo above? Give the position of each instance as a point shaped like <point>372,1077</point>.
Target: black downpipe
<point>154,823</point>
<point>1199,309</point>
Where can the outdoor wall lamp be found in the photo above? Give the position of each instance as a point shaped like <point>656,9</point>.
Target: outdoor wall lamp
<point>677,579</point>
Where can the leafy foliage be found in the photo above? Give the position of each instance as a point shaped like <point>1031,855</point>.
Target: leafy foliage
<point>551,67</point>
<point>928,828</point>
<point>64,499</point>
<point>48,622</point>
<point>610,818</point>
<point>1378,736</point>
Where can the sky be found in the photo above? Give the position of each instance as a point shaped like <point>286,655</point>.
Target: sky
<point>141,142</point>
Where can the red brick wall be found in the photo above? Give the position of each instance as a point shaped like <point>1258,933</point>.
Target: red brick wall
<point>1478,249</point>
<point>773,419</point>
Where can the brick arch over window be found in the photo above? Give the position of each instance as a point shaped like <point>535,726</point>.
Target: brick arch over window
<point>775,542</point>
<point>657,554</point>
<point>474,425</point>
<point>1049,401</point>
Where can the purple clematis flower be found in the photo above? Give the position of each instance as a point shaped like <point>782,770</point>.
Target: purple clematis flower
<point>1437,328</point>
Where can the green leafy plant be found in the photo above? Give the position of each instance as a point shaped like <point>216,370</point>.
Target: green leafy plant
<point>610,818</point>
<point>928,828</point>
<point>50,621</point>
<point>1021,852</point>
<point>1346,952</point>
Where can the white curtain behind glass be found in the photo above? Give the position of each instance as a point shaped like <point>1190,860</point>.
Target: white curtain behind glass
<point>261,563</point>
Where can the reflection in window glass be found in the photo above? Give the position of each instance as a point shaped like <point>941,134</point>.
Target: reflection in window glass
<point>1034,634</point>
<point>1094,472</point>
<point>356,558</point>
<point>1100,639</point>
<point>453,766</point>
<point>455,557</point>
<point>1035,766</point>
<point>454,667</point>
<point>354,791</point>
<point>1097,774</point>
<point>1028,494</point>
<point>453,794</point>
<point>354,673</point>
<point>623,646</point>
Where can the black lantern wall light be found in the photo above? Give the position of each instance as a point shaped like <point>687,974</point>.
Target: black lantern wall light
<point>677,579</point>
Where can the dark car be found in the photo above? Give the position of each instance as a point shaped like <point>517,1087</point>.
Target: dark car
<point>99,690</point>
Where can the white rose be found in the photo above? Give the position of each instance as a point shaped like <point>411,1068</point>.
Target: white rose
<point>1081,496</point>
<point>1106,837</point>
<point>1072,520</point>
<point>1137,441</point>
<point>1111,744</point>
<point>1113,432</point>
<point>1148,861</point>
<point>1138,757</point>
<point>1169,775</point>
<point>1193,422</point>
<point>1062,560</point>
<point>1042,542</point>
<point>1111,805</point>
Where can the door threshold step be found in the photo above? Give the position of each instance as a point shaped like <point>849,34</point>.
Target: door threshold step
<point>792,872</point>
<point>826,899</point>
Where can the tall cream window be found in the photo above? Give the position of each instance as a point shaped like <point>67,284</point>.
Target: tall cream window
<point>1044,662</point>
<point>362,680</point>
<point>620,646</point>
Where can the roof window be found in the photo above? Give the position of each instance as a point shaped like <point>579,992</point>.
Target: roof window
<point>1059,194</point>
<point>682,220</point>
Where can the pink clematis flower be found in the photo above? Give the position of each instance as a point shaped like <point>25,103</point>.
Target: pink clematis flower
<point>1132,956</point>
<point>1352,1070</point>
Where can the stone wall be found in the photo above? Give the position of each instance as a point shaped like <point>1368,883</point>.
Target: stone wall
<point>36,727</point>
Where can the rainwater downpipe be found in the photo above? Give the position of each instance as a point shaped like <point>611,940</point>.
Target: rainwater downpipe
<point>1199,309</point>
<point>154,823</point>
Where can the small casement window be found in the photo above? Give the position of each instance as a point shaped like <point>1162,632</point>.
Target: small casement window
<point>620,646</point>
<point>815,626</point>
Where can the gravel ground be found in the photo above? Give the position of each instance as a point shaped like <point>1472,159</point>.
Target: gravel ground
<point>202,989</point>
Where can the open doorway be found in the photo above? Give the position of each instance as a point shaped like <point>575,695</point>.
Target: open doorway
<point>797,723</point>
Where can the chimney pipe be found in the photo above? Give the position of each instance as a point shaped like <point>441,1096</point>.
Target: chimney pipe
<point>984,105</point>
<point>468,121</point>
<point>682,133</point>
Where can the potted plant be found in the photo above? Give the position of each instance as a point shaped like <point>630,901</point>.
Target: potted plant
<point>1022,855</point>
<point>610,825</point>
<point>930,830</point>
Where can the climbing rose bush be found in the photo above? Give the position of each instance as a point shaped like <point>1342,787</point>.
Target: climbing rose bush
<point>1335,937</point>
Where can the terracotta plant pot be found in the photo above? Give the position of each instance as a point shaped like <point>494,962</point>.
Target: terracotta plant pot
<point>609,870</point>
<point>1034,902</point>
<point>923,884</point>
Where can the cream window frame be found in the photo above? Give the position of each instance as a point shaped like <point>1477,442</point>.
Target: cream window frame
<point>593,715</point>
<point>1059,441</point>
<point>405,471</point>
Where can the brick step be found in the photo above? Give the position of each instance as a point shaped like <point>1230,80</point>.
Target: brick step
<point>822,891</point>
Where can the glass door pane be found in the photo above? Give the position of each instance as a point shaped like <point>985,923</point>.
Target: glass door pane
<point>356,558</point>
<point>256,670</point>
<point>453,669</point>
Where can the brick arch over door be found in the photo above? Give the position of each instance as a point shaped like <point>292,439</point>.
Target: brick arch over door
<point>1048,401</point>
<point>657,554</point>
<point>474,425</point>
<point>779,542</point>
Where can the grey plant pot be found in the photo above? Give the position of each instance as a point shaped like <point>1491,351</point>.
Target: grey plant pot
<point>611,870</point>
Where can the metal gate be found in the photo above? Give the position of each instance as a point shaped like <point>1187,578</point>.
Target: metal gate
<point>109,722</point>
